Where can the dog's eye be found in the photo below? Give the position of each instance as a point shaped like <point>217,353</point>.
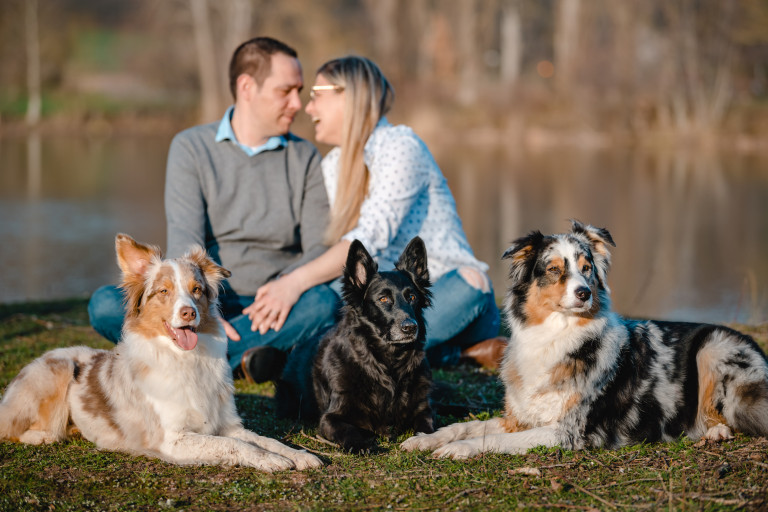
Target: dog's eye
<point>411,297</point>
<point>197,290</point>
<point>383,299</point>
<point>554,270</point>
<point>163,291</point>
<point>586,268</point>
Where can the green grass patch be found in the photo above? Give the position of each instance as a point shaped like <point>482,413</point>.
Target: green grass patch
<point>74,475</point>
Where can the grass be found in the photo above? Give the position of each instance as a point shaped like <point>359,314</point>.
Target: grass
<point>74,475</point>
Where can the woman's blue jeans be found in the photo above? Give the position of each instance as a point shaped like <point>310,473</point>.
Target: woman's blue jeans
<point>460,316</point>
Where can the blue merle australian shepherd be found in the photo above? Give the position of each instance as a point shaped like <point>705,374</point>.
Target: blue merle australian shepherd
<point>578,375</point>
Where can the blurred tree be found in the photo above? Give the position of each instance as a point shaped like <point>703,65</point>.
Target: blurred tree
<point>384,20</point>
<point>34,101</point>
<point>210,95</point>
<point>566,43</point>
<point>511,42</point>
<point>470,55</point>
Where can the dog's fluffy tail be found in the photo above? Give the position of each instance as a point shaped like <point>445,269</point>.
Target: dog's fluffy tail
<point>733,380</point>
<point>750,411</point>
<point>34,408</point>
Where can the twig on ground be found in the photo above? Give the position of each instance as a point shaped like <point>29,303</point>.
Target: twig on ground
<point>595,496</point>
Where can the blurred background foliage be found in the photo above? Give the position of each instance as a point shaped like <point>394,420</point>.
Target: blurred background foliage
<point>498,70</point>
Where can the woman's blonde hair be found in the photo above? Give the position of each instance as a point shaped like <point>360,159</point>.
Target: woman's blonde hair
<point>368,97</point>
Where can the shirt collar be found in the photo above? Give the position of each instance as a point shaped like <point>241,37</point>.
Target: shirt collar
<point>225,132</point>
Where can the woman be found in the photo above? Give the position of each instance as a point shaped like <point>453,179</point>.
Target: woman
<point>384,188</point>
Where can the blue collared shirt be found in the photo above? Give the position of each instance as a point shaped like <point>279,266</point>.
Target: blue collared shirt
<point>226,132</point>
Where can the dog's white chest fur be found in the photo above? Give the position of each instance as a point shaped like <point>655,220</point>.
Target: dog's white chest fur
<point>542,384</point>
<point>186,390</point>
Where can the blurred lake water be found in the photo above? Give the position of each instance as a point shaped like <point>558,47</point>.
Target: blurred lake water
<point>690,227</point>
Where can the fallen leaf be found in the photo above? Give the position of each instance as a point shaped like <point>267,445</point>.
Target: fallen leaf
<point>525,471</point>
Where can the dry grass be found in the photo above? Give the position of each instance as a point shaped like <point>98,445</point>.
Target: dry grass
<point>75,476</point>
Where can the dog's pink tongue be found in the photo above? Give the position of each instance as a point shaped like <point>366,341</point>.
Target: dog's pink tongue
<point>186,338</point>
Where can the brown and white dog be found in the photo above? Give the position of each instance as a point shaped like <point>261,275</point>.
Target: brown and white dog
<point>578,375</point>
<point>164,391</point>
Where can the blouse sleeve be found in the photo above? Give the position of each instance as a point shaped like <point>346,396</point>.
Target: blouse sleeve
<point>399,168</point>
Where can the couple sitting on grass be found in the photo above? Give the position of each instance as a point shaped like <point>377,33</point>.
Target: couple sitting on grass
<point>257,198</point>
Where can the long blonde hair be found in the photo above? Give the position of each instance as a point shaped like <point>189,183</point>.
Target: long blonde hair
<point>368,97</point>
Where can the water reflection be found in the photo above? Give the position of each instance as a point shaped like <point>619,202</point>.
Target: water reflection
<point>690,227</point>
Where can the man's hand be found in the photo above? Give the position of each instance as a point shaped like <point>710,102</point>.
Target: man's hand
<point>273,302</point>
<point>229,330</point>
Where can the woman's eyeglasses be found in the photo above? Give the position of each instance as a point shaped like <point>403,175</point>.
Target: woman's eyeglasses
<point>315,88</point>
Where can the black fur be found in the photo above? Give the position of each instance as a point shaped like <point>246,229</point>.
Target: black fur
<point>368,376</point>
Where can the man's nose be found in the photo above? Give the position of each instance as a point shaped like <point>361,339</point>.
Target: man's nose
<point>295,100</point>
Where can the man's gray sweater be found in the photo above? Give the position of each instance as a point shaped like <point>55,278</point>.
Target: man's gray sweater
<point>258,216</point>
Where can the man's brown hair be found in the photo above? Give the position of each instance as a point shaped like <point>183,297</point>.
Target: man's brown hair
<point>254,58</point>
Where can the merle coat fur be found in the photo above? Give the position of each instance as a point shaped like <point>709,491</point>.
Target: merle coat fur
<point>578,375</point>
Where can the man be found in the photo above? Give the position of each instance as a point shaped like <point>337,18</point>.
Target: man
<point>252,194</point>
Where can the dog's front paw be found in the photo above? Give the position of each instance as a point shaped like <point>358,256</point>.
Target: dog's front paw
<point>271,462</point>
<point>457,450</point>
<point>719,432</point>
<point>421,442</point>
<point>305,460</point>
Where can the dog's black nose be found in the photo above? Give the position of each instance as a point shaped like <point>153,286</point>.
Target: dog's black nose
<point>583,293</point>
<point>409,326</point>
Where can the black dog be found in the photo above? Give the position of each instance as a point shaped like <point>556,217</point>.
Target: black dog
<point>368,376</point>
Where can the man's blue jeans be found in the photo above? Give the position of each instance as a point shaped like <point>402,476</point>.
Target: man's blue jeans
<point>310,317</point>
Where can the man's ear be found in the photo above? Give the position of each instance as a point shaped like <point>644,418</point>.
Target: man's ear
<point>358,272</point>
<point>245,86</point>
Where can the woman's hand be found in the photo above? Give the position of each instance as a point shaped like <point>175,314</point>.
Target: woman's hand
<point>273,302</point>
<point>229,330</point>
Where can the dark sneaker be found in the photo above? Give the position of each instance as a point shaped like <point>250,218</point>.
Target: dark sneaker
<point>261,364</point>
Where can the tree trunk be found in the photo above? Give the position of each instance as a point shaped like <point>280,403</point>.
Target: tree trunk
<point>34,105</point>
<point>511,47</point>
<point>206,61</point>
<point>384,19</point>
<point>469,54</point>
<point>566,40</point>
<point>239,20</point>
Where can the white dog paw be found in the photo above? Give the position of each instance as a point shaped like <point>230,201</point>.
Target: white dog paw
<point>719,432</point>
<point>37,437</point>
<point>305,460</point>
<point>457,450</point>
<point>271,462</point>
<point>421,442</point>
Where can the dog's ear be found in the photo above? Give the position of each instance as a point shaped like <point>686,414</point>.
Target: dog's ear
<point>358,272</point>
<point>134,259</point>
<point>523,253</point>
<point>599,239</point>
<point>413,261</point>
<point>213,272</point>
